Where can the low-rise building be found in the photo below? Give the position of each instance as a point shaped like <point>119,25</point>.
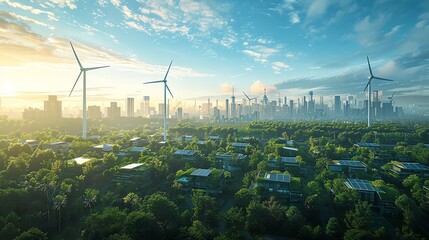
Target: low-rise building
<point>367,192</point>
<point>240,147</point>
<point>80,160</point>
<point>137,151</point>
<point>230,161</point>
<point>426,190</point>
<point>347,167</point>
<point>368,145</point>
<point>209,180</point>
<point>138,174</point>
<point>280,185</point>
<point>138,142</point>
<point>32,143</point>
<point>60,147</point>
<point>289,152</point>
<point>103,148</point>
<point>188,155</point>
<point>290,164</point>
<point>402,170</point>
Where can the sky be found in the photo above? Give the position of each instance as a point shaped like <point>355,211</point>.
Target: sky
<point>288,47</point>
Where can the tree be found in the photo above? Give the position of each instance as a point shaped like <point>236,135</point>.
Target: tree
<point>408,208</point>
<point>163,209</point>
<point>90,198</point>
<point>9,231</point>
<point>256,217</point>
<point>142,225</point>
<point>60,201</point>
<point>198,231</point>
<point>360,218</point>
<point>33,234</point>
<point>333,229</point>
<point>133,200</point>
<point>235,218</point>
<point>101,225</point>
<point>204,207</point>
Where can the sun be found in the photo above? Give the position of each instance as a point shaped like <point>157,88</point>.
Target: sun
<point>7,89</point>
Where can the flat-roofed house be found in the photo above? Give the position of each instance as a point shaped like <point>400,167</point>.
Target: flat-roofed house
<point>60,147</point>
<point>240,147</point>
<point>208,180</point>
<point>347,167</point>
<point>289,152</point>
<point>290,164</point>
<point>367,192</point>
<point>402,170</point>
<point>139,174</point>
<point>81,160</point>
<point>230,161</point>
<point>189,155</point>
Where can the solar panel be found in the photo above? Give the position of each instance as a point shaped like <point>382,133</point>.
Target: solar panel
<point>288,159</point>
<point>184,152</point>
<point>414,166</point>
<point>277,177</point>
<point>351,163</point>
<point>360,184</point>
<point>201,172</point>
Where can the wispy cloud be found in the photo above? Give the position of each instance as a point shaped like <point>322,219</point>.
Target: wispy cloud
<point>65,3</point>
<point>278,66</point>
<point>35,11</point>
<point>258,87</point>
<point>369,31</point>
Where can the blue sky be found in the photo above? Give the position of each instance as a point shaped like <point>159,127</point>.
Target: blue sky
<point>286,46</point>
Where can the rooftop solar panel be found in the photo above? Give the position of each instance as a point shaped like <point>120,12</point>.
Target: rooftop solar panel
<point>351,163</point>
<point>275,177</point>
<point>360,184</point>
<point>288,159</point>
<point>201,172</point>
<point>132,166</point>
<point>414,166</point>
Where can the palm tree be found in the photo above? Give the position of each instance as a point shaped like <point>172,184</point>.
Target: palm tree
<point>60,201</point>
<point>90,198</point>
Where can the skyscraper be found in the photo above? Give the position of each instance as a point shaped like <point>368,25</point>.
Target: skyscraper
<point>227,108</point>
<point>337,107</point>
<point>94,112</point>
<point>145,105</point>
<point>113,111</point>
<point>130,107</point>
<point>52,108</point>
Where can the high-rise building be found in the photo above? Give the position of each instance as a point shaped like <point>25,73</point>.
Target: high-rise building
<point>291,107</point>
<point>233,108</point>
<point>113,111</point>
<point>145,105</point>
<point>337,107</point>
<point>161,108</point>
<point>180,113</point>
<point>94,112</point>
<point>52,108</point>
<point>227,108</point>
<point>130,107</point>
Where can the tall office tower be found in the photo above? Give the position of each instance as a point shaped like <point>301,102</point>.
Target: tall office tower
<point>240,111</point>
<point>130,107</point>
<point>298,107</point>
<point>311,103</point>
<point>291,107</point>
<point>216,113</point>
<point>321,101</point>
<point>233,106</point>
<point>305,107</point>
<point>113,111</point>
<point>227,108</point>
<point>180,113</point>
<point>145,105</point>
<point>217,103</point>
<point>351,100</point>
<point>94,112</point>
<point>161,109</point>
<point>265,98</point>
<point>376,104</point>
<point>337,107</point>
<point>346,108</point>
<point>208,107</point>
<point>52,108</point>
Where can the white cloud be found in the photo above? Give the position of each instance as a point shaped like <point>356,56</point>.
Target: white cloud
<point>278,66</point>
<point>258,87</point>
<point>226,88</point>
<point>289,55</point>
<point>394,30</point>
<point>369,31</point>
<point>116,3</point>
<point>136,26</point>
<point>65,3</point>
<point>318,8</point>
<point>31,20</point>
<point>294,18</point>
<point>35,11</point>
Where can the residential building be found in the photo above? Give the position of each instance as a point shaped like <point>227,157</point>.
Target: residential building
<point>366,191</point>
<point>209,180</point>
<point>130,107</point>
<point>402,170</point>
<point>138,174</point>
<point>347,167</point>
<point>188,155</point>
<point>290,164</point>
<point>60,147</point>
<point>280,185</point>
<point>230,161</point>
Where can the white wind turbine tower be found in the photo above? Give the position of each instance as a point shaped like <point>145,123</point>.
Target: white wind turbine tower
<point>250,99</point>
<point>368,85</point>
<point>165,98</point>
<point>392,100</point>
<point>83,70</point>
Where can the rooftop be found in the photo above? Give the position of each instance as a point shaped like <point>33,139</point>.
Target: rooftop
<point>81,160</point>
<point>185,152</point>
<point>288,160</point>
<point>57,143</point>
<point>132,166</point>
<point>362,144</point>
<point>239,144</point>
<point>277,177</point>
<point>360,184</point>
<point>351,163</point>
<point>291,149</point>
<point>201,172</point>
<point>411,166</point>
<point>138,149</point>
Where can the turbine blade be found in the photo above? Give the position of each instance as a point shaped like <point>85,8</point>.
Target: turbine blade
<point>369,82</point>
<point>384,79</point>
<point>77,79</point>
<point>160,81</point>
<point>393,94</point>
<point>80,65</point>
<point>246,96</point>
<point>393,100</point>
<point>369,66</point>
<point>93,68</point>
<point>165,78</point>
<point>169,90</point>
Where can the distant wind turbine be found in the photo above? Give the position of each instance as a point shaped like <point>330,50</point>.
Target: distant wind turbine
<point>368,86</point>
<point>250,99</point>
<point>83,70</point>
<point>165,98</point>
<point>392,100</point>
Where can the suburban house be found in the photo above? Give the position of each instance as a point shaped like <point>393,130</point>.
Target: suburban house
<point>280,185</point>
<point>347,167</point>
<point>402,170</point>
<point>289,152</point>
<point>60,147</point>
<point>209,180</point>
<point>188,155</point>
<point>230,161</point>
<point>290,164</point>
<point>240,147</point>
<point>139,174</point>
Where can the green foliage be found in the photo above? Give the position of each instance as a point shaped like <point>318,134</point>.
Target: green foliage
<point>32,234</point>
<point>142,225</point>
<point>103,224</point>
<point>162,208</point>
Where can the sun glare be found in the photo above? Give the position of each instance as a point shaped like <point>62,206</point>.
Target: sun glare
<point>7,89</point>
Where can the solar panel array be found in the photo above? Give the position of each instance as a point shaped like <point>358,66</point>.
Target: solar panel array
<point>360,184</point>
<point>288,159</point>
<point>132,166</point>
<point>239,144</point>
<point>275,177</point>
<point>201,172</point>
<point>351,163</point>
<point>184,152</point>
<point>414,166</point>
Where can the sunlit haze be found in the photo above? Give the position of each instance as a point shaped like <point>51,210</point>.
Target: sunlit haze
<point>287,47</point>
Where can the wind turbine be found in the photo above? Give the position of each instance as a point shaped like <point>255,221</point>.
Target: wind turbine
<point>392,100</point>
<point>368,86</point>
<point>165,98</point>
<point>83,70</point>
<point>250,99</point>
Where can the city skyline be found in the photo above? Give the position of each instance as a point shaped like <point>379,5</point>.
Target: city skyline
<point>284,46</point>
